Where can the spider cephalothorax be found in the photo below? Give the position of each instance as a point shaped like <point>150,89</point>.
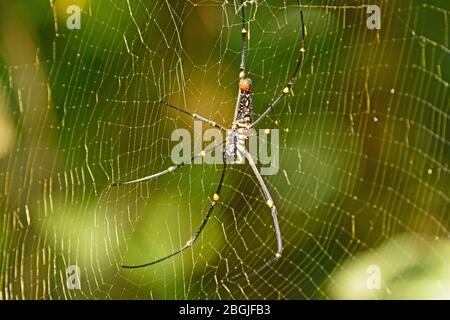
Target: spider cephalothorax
<point>245,85</point>
<point>235,150</point>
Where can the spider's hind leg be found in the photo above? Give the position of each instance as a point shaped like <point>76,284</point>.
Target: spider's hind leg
<point>195,236</point>
<point>270,203</point>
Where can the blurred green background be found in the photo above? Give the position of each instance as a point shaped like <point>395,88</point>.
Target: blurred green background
<point>364,154</point>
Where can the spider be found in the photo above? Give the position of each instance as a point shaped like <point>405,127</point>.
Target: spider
<point>235,144</point>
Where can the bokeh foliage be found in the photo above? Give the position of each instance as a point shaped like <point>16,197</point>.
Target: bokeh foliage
<point>364,149</point>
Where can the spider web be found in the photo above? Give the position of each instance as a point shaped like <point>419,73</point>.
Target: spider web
<point>364,146</point>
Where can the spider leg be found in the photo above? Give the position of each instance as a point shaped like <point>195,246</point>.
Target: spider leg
<point>287,89</point>
<point>192,240</point>
<point>271,205</point>
<point>244,41</point>
<point>194,115</point>
<point>244,34</point>
<point>170,169</point>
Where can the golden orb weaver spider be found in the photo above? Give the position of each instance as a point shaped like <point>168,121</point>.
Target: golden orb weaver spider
<point>237,136</point>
